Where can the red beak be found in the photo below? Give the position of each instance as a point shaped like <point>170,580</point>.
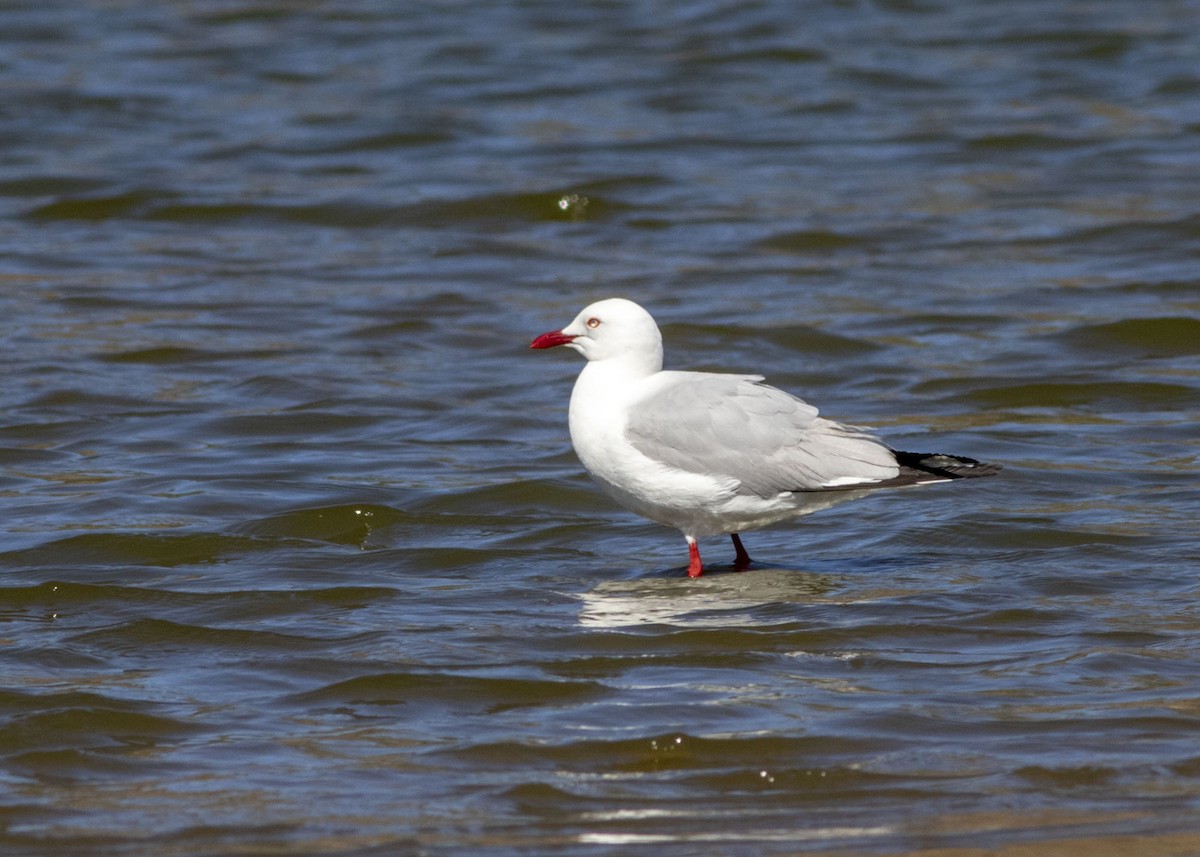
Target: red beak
<point>551,339</point>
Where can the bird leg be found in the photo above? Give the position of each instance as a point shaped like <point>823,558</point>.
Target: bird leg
<point>742,561</point>
<point>694,567</point>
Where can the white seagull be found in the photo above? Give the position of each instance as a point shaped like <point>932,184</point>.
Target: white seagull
<point>711,453</point>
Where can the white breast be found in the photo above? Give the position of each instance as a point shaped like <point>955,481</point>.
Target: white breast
<point>599,410</point>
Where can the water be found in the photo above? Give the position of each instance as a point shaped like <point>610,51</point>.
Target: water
<point>296,556</point>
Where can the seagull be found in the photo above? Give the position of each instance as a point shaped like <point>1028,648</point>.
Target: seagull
<point>710,453</point>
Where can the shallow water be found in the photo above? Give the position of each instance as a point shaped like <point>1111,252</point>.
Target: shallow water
<point>297,558</point>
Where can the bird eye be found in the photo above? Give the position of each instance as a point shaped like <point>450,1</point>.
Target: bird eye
<point>593,322</point>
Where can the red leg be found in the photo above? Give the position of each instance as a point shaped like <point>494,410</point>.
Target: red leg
<point>694,567</point>
<point>742,561</point>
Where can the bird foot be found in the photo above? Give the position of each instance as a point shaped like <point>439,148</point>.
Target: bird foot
<point>742,561</point>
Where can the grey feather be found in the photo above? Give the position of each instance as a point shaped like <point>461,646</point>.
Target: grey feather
<point>770,442</point>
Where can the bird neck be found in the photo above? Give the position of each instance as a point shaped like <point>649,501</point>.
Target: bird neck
<point>607,383</point>
<point>629,366</point>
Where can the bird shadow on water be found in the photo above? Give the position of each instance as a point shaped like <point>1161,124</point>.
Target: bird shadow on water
<point>721,597</point>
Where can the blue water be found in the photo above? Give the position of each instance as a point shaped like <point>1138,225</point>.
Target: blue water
<point>296,555</point>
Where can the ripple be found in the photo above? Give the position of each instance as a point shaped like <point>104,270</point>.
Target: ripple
<point>457,692</point>
<point>1169,336</point>
<point>344,525</point>
<point>1118,396</point>
<point>164,206</point>
<point>812,241</point>
<point>140,549</point>
<point>161,636</point>
<point>75,734</point>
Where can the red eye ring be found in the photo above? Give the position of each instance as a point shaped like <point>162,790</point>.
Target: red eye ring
<point>593,322</point>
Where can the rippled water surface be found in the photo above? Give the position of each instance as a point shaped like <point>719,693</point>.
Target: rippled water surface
<point>297,558</point>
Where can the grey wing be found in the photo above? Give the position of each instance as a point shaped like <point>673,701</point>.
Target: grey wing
<point>770,442</point>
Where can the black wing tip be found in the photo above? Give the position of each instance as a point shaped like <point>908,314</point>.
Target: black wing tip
<point>946,466</point>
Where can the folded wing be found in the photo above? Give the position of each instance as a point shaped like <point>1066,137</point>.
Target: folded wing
<point>770,442</point>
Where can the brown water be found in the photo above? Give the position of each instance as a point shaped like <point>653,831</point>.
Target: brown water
<point>296,556</point>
